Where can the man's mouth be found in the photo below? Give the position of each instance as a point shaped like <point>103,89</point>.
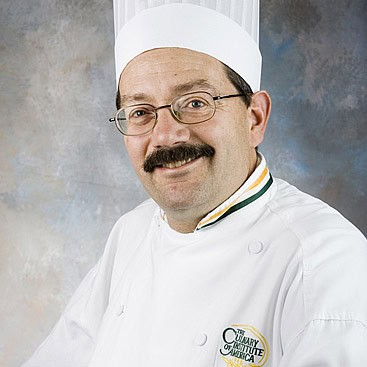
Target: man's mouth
<point>176,156</point>
<point>176,164</point>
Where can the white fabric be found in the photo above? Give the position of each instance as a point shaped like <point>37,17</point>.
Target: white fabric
<point>195,27</point>
<point>287,270</point>
<point>243,12</point>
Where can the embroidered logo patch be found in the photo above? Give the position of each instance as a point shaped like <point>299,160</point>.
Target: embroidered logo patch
<point>243,345</point>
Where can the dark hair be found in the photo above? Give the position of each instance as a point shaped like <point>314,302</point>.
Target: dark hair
<point>238,82</point>
<point>118,98</point>
<point>241,86</point>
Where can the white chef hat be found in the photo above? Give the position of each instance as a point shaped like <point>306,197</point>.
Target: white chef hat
<point>227,30</point>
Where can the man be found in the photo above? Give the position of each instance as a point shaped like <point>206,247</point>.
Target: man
<point>226,266</point>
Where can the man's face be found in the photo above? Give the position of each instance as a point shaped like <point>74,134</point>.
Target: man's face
<point>191,190</point>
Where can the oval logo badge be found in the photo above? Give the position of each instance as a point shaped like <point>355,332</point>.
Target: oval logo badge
<point>243,346</point>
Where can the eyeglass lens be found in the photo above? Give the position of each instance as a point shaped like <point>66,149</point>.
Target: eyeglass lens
<point>190,108</point>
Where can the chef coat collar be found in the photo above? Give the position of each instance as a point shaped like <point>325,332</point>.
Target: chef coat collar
<point>254,187</point>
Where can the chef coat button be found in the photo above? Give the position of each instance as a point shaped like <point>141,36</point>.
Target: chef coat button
<point>255,247</point>
<point>201,339</point>
<point>121,310</point>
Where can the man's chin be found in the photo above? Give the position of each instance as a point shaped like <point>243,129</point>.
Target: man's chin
<point>174,201</point>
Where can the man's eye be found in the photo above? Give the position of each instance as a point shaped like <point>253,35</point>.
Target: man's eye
<point>196,103</point>
<point>138,113</point>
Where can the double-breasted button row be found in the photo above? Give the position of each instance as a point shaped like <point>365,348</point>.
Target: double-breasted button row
<point>120,311</point>
<point>255,247</point>
<point>201,339</point>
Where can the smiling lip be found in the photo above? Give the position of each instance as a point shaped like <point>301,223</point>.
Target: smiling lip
<point>177,164</point>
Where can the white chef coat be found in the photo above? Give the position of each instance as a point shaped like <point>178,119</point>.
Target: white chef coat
<point>272,277</point>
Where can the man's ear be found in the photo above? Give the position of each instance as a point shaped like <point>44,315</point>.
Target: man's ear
<point>259,112</point>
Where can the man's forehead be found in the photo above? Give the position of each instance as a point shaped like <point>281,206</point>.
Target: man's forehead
<point>182,58</point>
<point>180,71</point>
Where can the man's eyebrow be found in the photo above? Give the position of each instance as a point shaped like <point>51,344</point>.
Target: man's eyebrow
<point>192,86</point>
<point>133,99</point>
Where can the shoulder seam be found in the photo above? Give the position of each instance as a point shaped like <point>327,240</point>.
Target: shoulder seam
<point>328,320</point>
<point>337,320</point>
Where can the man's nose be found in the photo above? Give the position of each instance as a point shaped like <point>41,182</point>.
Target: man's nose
<point>168,131</point>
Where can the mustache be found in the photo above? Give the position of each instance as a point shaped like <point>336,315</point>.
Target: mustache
<point>182,152</point>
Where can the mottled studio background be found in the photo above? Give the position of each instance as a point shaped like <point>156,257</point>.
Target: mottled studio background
<point>65,176</point>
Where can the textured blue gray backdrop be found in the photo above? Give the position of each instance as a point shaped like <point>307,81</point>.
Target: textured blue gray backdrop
<point>65,176</point>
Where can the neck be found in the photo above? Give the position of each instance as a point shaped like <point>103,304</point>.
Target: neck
<point>183,226</point>
<point>187,220</point>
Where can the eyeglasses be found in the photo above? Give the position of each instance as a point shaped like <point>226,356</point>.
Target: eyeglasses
<point>190,108</point>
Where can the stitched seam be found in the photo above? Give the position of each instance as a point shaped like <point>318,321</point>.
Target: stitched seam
<point>298,236</point>
<point>342,320</point>
<point>326,320</point>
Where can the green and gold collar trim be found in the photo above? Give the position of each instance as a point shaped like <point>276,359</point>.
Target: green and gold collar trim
<point>254,187</point>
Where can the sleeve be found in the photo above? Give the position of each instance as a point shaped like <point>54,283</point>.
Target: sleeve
<point>71,343</point>
<point>328,343</point>
<point>329,326</point>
